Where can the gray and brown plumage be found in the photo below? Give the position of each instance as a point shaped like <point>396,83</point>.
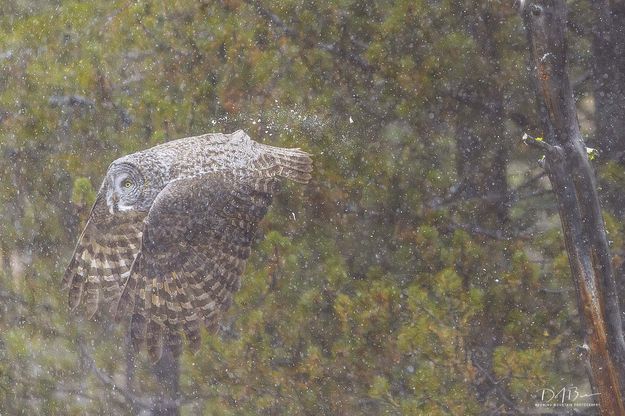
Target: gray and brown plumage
<point>170,232</point>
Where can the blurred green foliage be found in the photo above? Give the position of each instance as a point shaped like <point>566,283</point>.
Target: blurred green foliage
<point>380,288</point>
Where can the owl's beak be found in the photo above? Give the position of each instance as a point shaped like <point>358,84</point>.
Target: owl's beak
<point>113,203</point>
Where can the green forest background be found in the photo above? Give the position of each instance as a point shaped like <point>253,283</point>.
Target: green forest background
<point>421,272</point>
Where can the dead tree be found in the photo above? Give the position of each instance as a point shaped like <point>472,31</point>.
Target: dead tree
<point>574,185</point>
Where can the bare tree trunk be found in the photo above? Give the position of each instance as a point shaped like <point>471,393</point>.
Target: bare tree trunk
<point>573,182</point>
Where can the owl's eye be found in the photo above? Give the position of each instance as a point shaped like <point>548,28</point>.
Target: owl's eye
<point>127,183</point>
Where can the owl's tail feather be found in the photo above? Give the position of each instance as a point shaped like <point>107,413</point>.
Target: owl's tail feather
<point>77,285</point>
<point>83,277</point>
<point>192,333</point>
<point>184,310</point>
<point>138,325</point>
<point>70,272</point>
<point>146,327</point>
<point>92,291</point>
<point>154,340</point>
<point>141,297</point>
<point>94,271</point>
<point>174,343</point>
<point>160,309</point>
<point>115,267</point>
<point>172,313</point>
<point>101,281</point>
<point>75,275</point>
<point>180,301</point>
<point>163,328</point>
<point>292,164</point>
<point>130,290</point>
<point>195,302</point>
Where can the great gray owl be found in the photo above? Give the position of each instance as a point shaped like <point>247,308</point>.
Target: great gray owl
<point>170,231</point>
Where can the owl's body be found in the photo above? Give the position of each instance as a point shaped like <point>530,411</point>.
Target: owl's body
<point>171,229</point>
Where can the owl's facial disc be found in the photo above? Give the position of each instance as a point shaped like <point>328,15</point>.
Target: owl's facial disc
<point>124,190</point>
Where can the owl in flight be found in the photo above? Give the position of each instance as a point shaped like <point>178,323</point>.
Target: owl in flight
<point>170,231</point>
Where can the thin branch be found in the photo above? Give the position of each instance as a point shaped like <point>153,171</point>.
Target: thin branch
<point>496,384</point>
<point>476,229</point>
<point>579,81</point>
<point>487,232</point>
<point>450,199</point>
<point>353,58</point>
<point>538,143</point>
<point>512,197</point>
<point>7,297</point>
<point>273,18</point>
<point>108,381</point>
<point>71,101</point>
<point>74,392</point>
<point>131,398</point>
<point>515,197</point>
<point>555,291</point>
<point>520,119</point>
<point>530,182</point>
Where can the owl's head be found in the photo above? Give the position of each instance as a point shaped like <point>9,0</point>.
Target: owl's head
<point>125,188</point>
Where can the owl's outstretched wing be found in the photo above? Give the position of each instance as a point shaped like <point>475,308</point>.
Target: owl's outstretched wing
<point>195,244</point>
<point>103,256</point>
